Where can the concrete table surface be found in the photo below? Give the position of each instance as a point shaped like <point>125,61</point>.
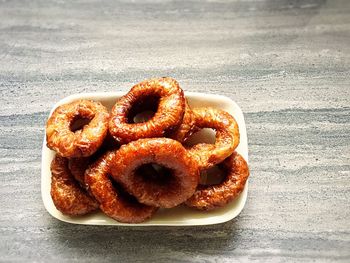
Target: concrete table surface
<point>286,63</point>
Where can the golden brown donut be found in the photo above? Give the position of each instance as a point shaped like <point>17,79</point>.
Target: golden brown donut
<point>84,142</point>
<point>67,195</point>
<point>187,126</point>
<point>227,136</point>
<point>114,202</point>
<point>166,189</point>
<point>214,196</point>
<point>163,95</point>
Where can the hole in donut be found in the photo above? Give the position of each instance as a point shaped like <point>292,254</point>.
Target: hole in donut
<point>155,174</point>
<point>143,116</point>
<point>212,176</point>
<point>78,123</point>
<point>205,135</point>
<point>143,109</point>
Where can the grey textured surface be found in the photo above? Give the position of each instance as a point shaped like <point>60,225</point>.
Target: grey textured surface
<point>286,63</point>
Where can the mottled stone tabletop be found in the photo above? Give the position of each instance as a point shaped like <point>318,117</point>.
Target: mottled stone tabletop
<point>286,63</point>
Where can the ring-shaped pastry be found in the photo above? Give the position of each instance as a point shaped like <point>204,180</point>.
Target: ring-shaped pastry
<point>81,143</point>
<point>114,202</point>
<point>214,196</point>
<point>226,138</point>
<point>67,195</point>
<point>166,99</point>
<point>175,183</point>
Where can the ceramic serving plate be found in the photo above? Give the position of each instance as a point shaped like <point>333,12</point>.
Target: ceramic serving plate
<point>178,216</point>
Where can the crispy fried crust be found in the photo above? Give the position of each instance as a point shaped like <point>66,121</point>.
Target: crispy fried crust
<point>78,166</point>
<point>113,201</point>
<point>167,117</point>
<point>81,143</point>
<point>187,126</point>
<point>177,185</point>
<point>67,195</point>
<point>214,196</point>
<point>227,136</point>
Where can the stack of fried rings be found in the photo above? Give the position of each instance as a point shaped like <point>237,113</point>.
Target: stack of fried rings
<point>129,169</point>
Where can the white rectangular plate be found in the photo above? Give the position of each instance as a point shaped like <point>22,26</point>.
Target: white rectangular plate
<point>178,216</point>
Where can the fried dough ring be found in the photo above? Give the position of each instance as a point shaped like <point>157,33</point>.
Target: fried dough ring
<point>67,195</point>
<point>214,196</point>
<point>227,136</point>
<point>187,127</point>
<point>168,113</point>
<point>113,201</point>
<point>81,143</point>
<point>177,185</point>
